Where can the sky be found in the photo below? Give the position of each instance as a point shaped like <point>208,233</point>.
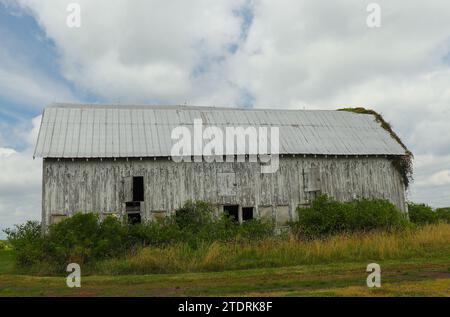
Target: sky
<point>287,54</point>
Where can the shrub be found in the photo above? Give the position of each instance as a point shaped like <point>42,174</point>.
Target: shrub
<point>80,239</point>
<point>327,216</point>
<point>193,215</point>
<point>158,233</point>
<point>4,246</point>
<point>376,214</point>
<point>84,238</point>
<point>256,229</point>
<point>197,225</point>
<point>443,214</point>
<point>421,214</point>
<point>27,242</point>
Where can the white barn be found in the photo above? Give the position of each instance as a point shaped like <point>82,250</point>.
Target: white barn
<point>116,159</point>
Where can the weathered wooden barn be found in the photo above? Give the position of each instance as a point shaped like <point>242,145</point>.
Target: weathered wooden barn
<point>116,159</point>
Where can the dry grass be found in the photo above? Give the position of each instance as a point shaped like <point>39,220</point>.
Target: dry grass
<point>284,251</point>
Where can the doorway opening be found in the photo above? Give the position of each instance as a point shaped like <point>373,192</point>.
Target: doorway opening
<point>232,211</point>
<point>247,213</point>
<point>138,188</point>
<point>134,218</point>
<point>133,210</point>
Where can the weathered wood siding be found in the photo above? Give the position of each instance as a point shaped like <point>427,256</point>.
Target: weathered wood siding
<point>99,186</point>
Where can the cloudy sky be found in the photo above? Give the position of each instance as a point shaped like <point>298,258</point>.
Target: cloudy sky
<point>298,54</point>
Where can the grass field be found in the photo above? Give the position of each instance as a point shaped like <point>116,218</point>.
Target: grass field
<point>415,277</point>
<point>414,265</point>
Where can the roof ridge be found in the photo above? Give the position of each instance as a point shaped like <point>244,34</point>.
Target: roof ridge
<point>169,107</point>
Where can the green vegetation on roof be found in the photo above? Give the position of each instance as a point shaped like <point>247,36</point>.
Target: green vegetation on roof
<point>404,163</point>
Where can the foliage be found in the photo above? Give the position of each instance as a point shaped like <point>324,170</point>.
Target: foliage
<point>195,239</point>
<point>4,246</point>
<point>78,239</point>
<point>422,242</point>
<point>27,242</point>
<point>84,238</point>
<point>193,215</point>
<point>194,224</point>
<point>403,163</point>
<point>327,216</point>
<point>204,242</point>
<point>272,267</point>
<point>443,214</point>
<point>422,214</point>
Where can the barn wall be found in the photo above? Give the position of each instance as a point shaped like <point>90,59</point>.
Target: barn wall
<point>98,186</point>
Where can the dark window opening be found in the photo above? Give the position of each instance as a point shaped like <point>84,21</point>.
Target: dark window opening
<point>134,218</point>
<point>247,213</point>
<point>232,211</point>
<point>133,206</point>
<point>138,188</point>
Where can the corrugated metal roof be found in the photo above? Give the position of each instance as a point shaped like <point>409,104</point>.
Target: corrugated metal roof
<point>88,131</point>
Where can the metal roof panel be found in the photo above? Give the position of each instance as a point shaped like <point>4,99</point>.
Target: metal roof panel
<point>71,130</point>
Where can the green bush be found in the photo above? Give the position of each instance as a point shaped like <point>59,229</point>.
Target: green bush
<point>327,216</point>
<point>80,239</point>
<point>193,223</point>
<point>4,246</point>
<point>256,229</point>
<point>421,214</point>
<point>443,214</point>
<point>193,215</point>
<point>158,233</point>
<point>376,214</point>
<point>27,242</point>
<point>84,238</point>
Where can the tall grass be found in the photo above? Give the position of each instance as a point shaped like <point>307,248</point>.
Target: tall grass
<point>194,241</point>
<point>283,251</point>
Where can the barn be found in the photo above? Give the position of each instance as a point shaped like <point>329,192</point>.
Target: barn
<point>118,160</point>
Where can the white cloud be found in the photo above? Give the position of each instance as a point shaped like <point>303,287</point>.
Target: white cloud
<point>20,174</point>
<point>437,179</point>
<point>310,51</point>
<point>21,82</point>
<point>6,153</point>
<point>20,183</point>
<point>141,50</point>
<point>36,90</point>
<point>431,185</point>
<point>31,136</point>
